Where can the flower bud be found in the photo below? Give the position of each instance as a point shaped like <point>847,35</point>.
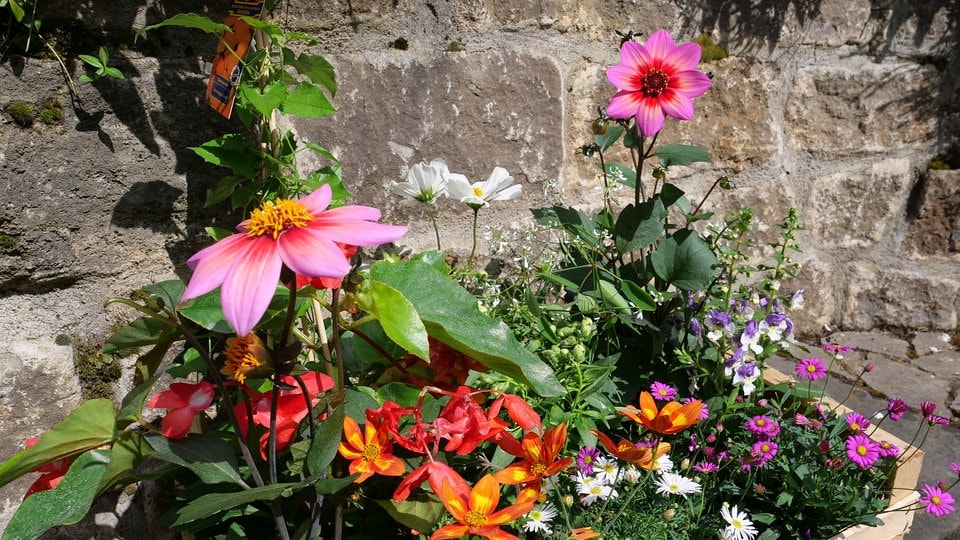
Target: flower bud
<point>669,513</point>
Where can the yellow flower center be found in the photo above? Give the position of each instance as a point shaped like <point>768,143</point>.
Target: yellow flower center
<point>765,448</point>
<point>861,450</point>
<point>475,519</point>
<point>854,427</point>
<point>371,452</point>
<point>654,83</point>
<point>538,468</point>
<point>478,192</point>
<point>274,217</point>
<point>761,422</point>
<point>935,500</point>
<point>245,356</point>
<point>811,368</point>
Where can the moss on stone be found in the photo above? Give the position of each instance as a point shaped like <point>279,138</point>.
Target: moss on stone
<point>946,161</point>
<point>7,243</point>
<point>94,369</point>
<point>22,113</point>
<point>52,112</point>
<point>709,49</point>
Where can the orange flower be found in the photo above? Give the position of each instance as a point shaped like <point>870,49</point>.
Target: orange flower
<point>539,458</point>
<point>371,451</point>
<point>583,533</point>
<point>474,510</point>
<point>629,452</point>
<point>673,418</point>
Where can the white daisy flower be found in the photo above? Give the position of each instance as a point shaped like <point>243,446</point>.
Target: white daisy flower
<point>497,187</point>
<point>674,484</point>
<point>739,526</point>
<point>596,492</point>
<point>425,183</point>
<point>606,470</point>
<point>539,518</point>
<point>663,464</point>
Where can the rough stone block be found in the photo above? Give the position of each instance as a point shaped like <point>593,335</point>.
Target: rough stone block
<point>923,295</point>
<point>933,216</point>
<point>856,106</point>
<point>874,342</point>
<point>944,364</point>
<point>926,343</point>
<point>852,209</point>
<point>895,379</point>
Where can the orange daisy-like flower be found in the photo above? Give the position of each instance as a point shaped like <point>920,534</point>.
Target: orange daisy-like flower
<point>475,511</point>
<point>673,418</point>
<point>630,452</point>
<point>539,459</point>
<point>370,452</point>
<point>583,533</point>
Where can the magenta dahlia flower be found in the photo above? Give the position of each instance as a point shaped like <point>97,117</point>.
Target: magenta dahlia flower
<point>655,80</point>
<point>301,235</point>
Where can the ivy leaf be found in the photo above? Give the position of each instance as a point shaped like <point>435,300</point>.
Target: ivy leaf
<point>307,101</point>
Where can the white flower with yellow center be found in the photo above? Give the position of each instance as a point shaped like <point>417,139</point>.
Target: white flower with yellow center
<point>497,187</point>
<point>739,526</point>
<point>425,183</point>
<point>674,484</point>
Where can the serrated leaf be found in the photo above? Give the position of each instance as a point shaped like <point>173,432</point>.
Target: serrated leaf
<point>681,154</point>
<point>67,503</point>
<point>307,101</point>
<point>188,20</point>
<point>91,425</point>
<point>212,459</point>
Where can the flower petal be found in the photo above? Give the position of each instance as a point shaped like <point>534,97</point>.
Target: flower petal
<point>485,495</point>
<point>356,232</point>
<point>683,57</point>
<point>309,252</point>
<point>249,287</point>
<point>676,105</point>
<point>211,264</point>
<point>625,78</point>
<point>650,117</point>
<point>659,45</point>
<point>319,200</point>
<point>624,104</point>
<point>690,83</point>
<point>176,424</point>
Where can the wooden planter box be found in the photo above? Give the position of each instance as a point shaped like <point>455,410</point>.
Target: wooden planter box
<point>903,479</point>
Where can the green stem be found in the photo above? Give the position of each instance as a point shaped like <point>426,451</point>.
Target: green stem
<point>473,250</point>
<point>436,230</point>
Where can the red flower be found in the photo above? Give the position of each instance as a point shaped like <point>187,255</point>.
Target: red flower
<point>465,424</point>
<point>436,473</point>
<point>185,401</point>
<point>51,475</point>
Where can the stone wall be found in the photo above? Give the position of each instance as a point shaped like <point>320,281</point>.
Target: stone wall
<point>835,107</point>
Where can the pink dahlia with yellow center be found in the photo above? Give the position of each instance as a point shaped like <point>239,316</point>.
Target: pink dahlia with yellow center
<point>656,79</point>
<point>299,234</point>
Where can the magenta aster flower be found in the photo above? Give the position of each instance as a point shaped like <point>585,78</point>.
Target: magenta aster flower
<point>764,450</point>
<point>763,427</point>
<point>856,422</point>
<point>955,467</point>
<point>927,408</point>
<point>706,467</point>
<point>655,80</point>
<point>862,451</point>
<point>586,459</point>
<point>301,235</point>
<point>896,408</point>
<point>938,501</point>
<point>888,449</point>
<point>837,349</point>
<point>662,391</point>
<point>704,411</point>
<point>811,369</point>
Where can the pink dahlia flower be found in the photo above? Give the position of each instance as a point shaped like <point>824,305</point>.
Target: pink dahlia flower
<point>656,79</point>
<point>301,235</point>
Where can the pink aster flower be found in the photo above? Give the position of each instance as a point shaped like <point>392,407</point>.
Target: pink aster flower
<point>938,501</point>
<point>704,410</point>
<point>856,422</point>
<point>955,467</point>
<point>706,467</point>
<point>888,450</point>
<point>185,401</point>
<point>896,408</point>
<point>301,235</point>
<point>662,391</point>
<point>862,451</point>
<point>763,427</point>
<point>927,408</point>
<point>764,450</point>
<point>811,369</point>
<point>655,80</point>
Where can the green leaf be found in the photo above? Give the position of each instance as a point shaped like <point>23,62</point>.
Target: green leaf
<point>169,291</point>
<point>139,333</point>
<point>606,140</point>
<point>212,459</point>
<point>401,393</point>
<point>267,99</point>
<point>612,298</point>
<point>639,226</point>
<point>92,60</point>
<point>621,174</point>
<point>307,101</point>
<point>572,220</point>
<point>17,10</point>
<point>128,453</point>
<point>188,20</point>
<point>450,314</point>
<point>638,295</point>
<point>132,405</point>
<point>357,403</point>
<point>681,154</point>
<point>314,67</point>
<point>359,354</point>
<point>214,503</point>
<point>670,194</point>
<point>232,151</point>
<point>89,426</point>
<point>323,447</point>
<point>333,485</point>
<point>397,316</point>
<point>684,260</point>
<point>67,503</point>
<point>419,512</point>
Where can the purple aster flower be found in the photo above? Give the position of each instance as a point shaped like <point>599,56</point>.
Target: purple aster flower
<point>586,458</point>
<point>763,426</point>
<point>896,408</point>
<point>662,391</point>
<point>764,450</point>
<point>811,369</point>
<point>856,422</point>
<point>927,408</point>
<point>937,420</point>
<point>704,411</point>
<point>800,420</point>
<point>888,450</point>
<point>955,468</point>
<point>838,350</point>
<point>862,451</point>
<point>938,501</point>
<point>706,467</point>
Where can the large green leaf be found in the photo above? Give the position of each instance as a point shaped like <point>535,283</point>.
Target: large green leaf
<point>314,67</point>
<point>67,503</point>
<point>213,503</point>
<point>450,314</point>
<point>639,226</point>
<point>232,150</point>
<point>419,512</point>
<point>307,101</point>
<point>189,20</point>
<point>265,99</point>
<point>684,260</point>
<point>139,333</point>
<point>323,447</point>
<point>206,310</point>
<point>132,405</point>
<point>621,174</point>
<point>212,459</point>
<point>90,426</point>
<point>607,139</point>
<point>681,154</point>
<point>397,316</point>
<point>128,453</point>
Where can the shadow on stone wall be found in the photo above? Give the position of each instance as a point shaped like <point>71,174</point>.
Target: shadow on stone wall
<point>751,25</point>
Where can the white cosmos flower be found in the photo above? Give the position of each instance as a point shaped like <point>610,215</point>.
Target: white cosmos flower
<point>424,184</point>
<point>674,484</point>
<point>497,187</point>
<point>739,526</point>
<point>539,517</point>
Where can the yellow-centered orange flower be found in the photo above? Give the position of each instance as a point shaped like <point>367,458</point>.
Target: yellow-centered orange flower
<point>476,511</point>
<point>673,418</point>
<point>539,458</point>
<point>370,452</point>
<point>630,452</point>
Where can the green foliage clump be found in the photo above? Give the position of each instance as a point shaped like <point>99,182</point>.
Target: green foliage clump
<point>710,50</point>
<point>22,113</point>
<point>946,161</point>
<point>94,369</point>
<point>7,243</point>
<point>52,112</point>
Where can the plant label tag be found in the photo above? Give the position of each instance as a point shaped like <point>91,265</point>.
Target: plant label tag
<point>231,50</point>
